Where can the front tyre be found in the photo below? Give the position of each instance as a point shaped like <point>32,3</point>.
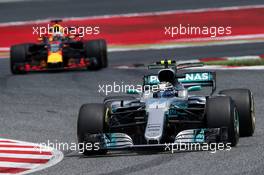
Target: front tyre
<point>18,57</point>
<point>96,50</point>
<point>90,121</point>
<point>221,112</point>
<point>244,101</point>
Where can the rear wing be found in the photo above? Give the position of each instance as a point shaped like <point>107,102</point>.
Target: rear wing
<point>165,64</point>
<point>204,79</point>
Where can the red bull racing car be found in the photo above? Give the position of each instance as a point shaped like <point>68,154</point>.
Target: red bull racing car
<point>58,51</point>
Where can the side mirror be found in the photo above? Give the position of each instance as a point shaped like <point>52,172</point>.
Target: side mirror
<point>132,91</point>
<point>194,88</point>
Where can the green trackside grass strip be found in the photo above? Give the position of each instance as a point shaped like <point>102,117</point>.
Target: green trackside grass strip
<point>247,62</point>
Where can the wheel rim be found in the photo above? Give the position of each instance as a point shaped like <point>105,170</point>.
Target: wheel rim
<point>253,114</point>
<point>236,122</point>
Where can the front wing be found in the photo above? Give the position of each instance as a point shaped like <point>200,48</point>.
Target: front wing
<point>193,137</point>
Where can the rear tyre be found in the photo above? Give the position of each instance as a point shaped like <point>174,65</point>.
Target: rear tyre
<point>96,50</point>
<point>18,57</point>
<point>244,101</point>
<point>221,112</point>
<point>90,121</point>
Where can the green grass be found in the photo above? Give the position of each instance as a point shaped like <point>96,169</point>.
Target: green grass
<point>247,62</point>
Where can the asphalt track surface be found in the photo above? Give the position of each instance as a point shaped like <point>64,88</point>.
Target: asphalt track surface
<point>44,106</point>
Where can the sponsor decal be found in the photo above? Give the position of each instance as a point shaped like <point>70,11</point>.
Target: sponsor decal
<point>194,77</point>
<point>153,79</point>
<point>189,77</point>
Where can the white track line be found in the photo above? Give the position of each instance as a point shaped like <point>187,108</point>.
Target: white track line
<point>19,165</point>
<point>18,144</point>
<point>26,149</point>
<point>232,68</point>
<point>244,57</point>
<point>4,49</point>
<point>30,156</point>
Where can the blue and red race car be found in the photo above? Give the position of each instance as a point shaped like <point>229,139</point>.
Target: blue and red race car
<point>58,50</point>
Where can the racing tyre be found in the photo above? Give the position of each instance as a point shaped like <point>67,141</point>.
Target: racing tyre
<point>97,51</point>
<point>90,121</point>
<point>244,101</point>
<point>221,112</point>
<point>18,57</point>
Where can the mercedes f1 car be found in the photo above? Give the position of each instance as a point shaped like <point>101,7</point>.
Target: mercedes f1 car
<point>169,113</point>
<point>58,50</point>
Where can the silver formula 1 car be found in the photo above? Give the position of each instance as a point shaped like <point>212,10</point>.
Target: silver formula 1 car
<point>166,111</point>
